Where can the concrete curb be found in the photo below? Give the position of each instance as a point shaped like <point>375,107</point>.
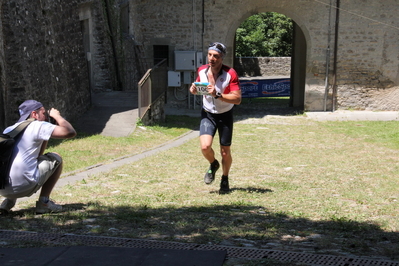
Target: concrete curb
<point>354,116</point>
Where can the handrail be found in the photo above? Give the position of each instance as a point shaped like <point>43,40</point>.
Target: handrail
<point>149,88</point>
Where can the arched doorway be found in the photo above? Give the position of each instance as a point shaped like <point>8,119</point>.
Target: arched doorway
<point>298,63</point>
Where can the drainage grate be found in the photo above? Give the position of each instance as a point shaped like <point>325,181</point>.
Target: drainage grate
<point>232,252</point>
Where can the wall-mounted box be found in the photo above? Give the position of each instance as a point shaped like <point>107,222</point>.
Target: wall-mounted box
<point>174,79</point>
<point>187,78</point>
<point>185,60</point>
<point>200,60</point>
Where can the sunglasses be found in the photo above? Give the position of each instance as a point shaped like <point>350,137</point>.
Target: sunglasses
<point>218,46</point>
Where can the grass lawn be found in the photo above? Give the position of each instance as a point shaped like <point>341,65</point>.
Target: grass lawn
<point>297,184</point>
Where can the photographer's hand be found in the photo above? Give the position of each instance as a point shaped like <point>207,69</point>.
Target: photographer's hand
<point>54,112</point>
<point>64,129</point>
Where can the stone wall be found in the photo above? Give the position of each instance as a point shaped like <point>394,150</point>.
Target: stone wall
<point>367,47</point>
<point>360,98</point>
<point>42,55</point>
<point>262,66</point>
<point>106,50</point>
<point>156,113</point>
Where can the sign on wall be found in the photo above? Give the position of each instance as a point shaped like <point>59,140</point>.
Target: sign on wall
<point>276,87</point>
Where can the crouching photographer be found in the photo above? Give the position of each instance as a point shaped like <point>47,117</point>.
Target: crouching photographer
<point>30,168</point>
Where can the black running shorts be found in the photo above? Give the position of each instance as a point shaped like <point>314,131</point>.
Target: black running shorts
<point>223,123</point>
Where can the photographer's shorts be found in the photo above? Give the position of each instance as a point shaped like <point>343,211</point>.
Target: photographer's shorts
<point>223,123</point>
<point>47,164</point>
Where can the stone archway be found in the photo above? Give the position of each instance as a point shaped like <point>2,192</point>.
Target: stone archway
<point>298,61</point>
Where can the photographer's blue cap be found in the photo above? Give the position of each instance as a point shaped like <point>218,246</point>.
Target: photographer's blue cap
<point>28,107</point>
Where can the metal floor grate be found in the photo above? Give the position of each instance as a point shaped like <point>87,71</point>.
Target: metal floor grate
<point>232,252</point>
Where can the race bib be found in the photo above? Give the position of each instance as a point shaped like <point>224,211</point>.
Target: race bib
<point>202,88</point>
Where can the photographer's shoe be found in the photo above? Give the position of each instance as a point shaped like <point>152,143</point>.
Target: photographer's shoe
<point>210,174</point>
<point>224,185</point>
<point>7,205</point>
<point>46,207</point>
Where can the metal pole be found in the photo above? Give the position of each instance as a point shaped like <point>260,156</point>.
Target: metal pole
<point>326,90</point>
<point>335,56</point>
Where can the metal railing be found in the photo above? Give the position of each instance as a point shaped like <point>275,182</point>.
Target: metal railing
<point>151,86</point>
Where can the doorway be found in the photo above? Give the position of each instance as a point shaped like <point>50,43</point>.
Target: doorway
<point>274,47</point>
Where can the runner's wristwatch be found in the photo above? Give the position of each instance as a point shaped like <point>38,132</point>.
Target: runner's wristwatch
<point>218,94</point>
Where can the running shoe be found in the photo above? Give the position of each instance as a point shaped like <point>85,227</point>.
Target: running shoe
<point>224,185</point>
<point>210,174</point>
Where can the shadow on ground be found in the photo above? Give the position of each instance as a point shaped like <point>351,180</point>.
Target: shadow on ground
<point>239,224</point>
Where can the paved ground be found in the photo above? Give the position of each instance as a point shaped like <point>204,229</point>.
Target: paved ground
<point>112,114</point>
<point>115,114</point>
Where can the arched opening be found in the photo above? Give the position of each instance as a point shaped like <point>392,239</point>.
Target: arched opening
<point>281,90</point>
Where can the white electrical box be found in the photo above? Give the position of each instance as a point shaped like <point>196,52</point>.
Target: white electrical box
<point>174,79</point>
<point>185,60</point>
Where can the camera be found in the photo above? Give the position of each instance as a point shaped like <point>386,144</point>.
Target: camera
<point>49,118</point>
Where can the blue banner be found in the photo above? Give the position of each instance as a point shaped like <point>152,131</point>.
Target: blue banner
<point>253,88</point>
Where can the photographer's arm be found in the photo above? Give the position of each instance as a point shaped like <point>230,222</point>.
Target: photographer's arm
<point>63,130</point>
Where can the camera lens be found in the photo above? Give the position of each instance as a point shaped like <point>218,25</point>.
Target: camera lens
<point>50,119</point>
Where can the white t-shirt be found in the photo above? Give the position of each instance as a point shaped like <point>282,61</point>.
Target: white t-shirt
<point>24,171</point>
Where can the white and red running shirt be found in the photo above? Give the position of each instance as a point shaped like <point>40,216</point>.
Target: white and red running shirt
<point>226,82</point>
